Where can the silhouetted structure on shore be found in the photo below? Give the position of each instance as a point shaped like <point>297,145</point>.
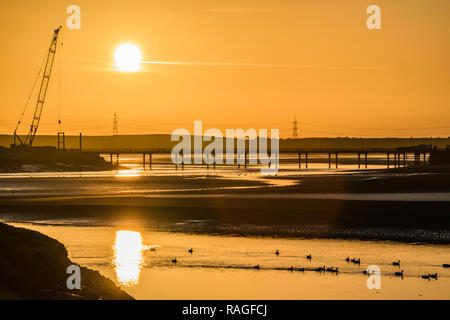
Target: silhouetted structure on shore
<point>440,157</point>
<point>49,158</point>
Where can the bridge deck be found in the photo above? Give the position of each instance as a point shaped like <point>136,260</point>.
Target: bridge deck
<point>292,151</point>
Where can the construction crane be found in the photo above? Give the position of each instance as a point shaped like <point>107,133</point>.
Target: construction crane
<point>50,57</point>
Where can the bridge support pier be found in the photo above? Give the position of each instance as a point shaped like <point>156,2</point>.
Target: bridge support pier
<point>387,160</point>
<point>365,159</point>
<point>299,160</point>
<point>359,160</point>
<point>306,160</point>
<point>337,160</point>
<point>329,160</point>
<point>246,155</point>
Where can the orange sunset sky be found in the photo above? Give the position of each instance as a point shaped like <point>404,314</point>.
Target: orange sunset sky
<point>255,63</point>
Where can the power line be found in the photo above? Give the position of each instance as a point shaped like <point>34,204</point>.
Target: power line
<point>379,129</point>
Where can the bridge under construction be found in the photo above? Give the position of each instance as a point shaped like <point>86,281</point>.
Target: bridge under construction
<point>304,157</point>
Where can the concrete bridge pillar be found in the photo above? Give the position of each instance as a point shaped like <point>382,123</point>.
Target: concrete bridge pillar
<point>246,155</point>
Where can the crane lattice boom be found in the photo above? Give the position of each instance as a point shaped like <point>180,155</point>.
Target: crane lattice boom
<point>42,91</point>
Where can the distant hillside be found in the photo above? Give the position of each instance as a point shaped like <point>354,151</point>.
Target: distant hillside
<point>163,141</point>
<point>362,142</point>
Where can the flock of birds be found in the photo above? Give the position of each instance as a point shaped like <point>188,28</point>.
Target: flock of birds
<point>335,269</point>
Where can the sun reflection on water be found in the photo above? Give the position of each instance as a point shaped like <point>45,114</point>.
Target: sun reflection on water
<point>127,173</point>
<point>128,258</point>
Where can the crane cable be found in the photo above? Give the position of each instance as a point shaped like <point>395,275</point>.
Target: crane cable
<point>59,83</point>
<point>31,93</point>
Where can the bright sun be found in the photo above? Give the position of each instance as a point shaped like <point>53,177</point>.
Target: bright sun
<point>128,57</point>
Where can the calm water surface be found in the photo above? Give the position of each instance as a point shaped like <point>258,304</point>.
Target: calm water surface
<point>139,258</point>
<point>221,267</point>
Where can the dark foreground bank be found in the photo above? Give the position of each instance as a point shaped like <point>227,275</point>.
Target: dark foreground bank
<point>33,266</point>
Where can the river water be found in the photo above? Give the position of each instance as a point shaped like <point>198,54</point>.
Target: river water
<point>138,256</point>
<point>222,267</point>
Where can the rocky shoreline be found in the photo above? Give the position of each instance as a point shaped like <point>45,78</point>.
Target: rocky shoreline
<point>34,266</point>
